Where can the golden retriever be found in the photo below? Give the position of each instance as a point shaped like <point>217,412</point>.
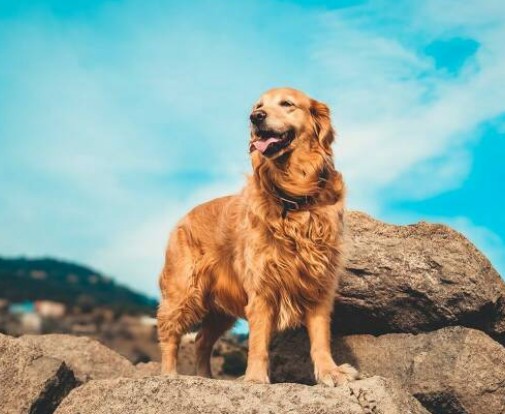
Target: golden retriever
<point>271,254</point>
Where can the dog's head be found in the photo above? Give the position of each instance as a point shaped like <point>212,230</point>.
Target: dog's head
<point>285,119</point>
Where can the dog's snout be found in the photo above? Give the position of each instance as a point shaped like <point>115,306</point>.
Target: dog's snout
<point>258,116</point>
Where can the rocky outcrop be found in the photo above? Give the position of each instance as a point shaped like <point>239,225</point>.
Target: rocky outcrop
<point>29,381</point>
<point>434,303</point>
<point>415,278</point>
<point>452,370</point>
<point>87,358</point>
<point>188,395</point>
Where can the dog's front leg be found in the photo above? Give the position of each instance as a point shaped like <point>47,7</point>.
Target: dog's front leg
<point>260,317</point>
<point>325,369</point>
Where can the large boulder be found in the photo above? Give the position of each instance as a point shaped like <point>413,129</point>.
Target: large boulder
<point>190,395</point>
<point>451,371</point>
<point>29,381</point>
<point>87,358</point>
<point>415,278</point>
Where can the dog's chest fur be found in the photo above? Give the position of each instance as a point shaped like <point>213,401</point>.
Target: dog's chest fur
<point>299,268</point>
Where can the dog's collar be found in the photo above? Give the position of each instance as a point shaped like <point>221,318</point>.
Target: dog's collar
<point>298,203</point>
<point>292,203</point>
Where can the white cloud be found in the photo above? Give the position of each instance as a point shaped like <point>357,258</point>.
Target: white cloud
<point>396,114</point>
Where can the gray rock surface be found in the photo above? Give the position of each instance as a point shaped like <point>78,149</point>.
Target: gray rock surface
<point>87,358</point>
<point>188,395</point>
<point>29,381</point>
<point>451,371</point>
<point>147,369</point>
<point>415,278</point>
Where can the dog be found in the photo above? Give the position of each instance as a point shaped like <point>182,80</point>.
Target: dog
<point>270,254</point>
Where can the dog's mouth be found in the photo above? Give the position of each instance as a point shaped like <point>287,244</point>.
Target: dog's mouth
<point>271,142</point>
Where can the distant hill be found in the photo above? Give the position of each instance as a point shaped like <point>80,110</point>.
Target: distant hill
<point>24,279</point>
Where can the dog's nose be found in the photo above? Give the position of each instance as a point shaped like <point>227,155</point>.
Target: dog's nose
<point>257,117</point>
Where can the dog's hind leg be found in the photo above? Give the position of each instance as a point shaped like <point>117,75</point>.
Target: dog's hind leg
<point>174,320</point>
<point>184,283</point>
<point>169,346</point>
<point>213,326</point>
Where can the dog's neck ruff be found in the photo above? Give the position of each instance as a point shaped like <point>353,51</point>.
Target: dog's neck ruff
<point>298,203</point>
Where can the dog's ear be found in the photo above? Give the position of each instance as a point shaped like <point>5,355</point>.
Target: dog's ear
<point>322,124</point>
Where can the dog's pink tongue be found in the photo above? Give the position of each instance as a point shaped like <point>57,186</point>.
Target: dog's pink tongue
<point>262,145</point>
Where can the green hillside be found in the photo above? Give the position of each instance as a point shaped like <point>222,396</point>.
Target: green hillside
<point>24,279</point>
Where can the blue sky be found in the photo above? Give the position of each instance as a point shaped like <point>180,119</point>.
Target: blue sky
<point>117,116</point>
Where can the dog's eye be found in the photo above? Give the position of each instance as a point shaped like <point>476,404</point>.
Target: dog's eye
<point>286,103</point>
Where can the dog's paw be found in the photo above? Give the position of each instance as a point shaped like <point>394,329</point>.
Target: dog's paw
<point>338,375</point>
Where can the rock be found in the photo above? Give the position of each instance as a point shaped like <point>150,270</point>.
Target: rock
<point>451,371</point>
<point>87,358</point>
<point>29,381</point>
<point>228,360</point>
<point>234,363</point>
<point>187,395</point>
<point>186,358</point>
<point>415,278</point>
<point>147,369</point>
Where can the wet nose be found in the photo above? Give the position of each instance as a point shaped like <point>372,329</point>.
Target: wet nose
<point>257,117</point>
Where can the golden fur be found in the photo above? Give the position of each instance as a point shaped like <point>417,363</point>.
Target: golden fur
<point>238,256</point>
